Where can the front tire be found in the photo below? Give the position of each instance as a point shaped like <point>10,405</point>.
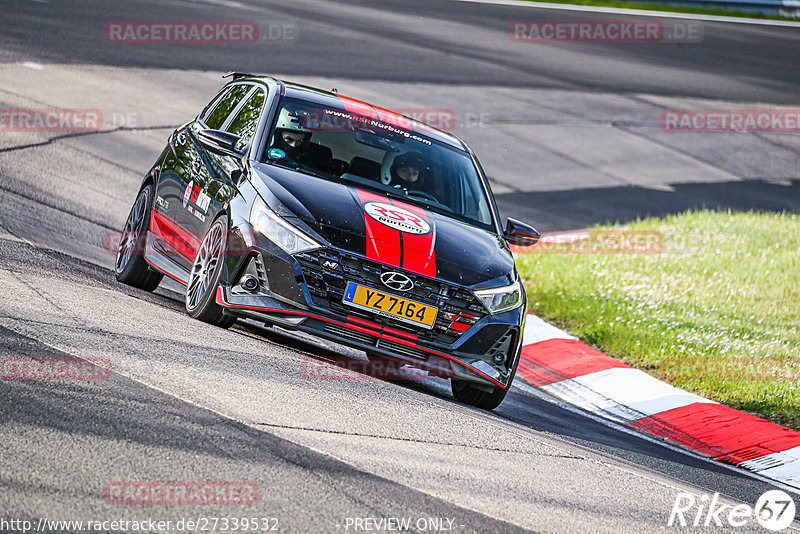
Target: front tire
<point>203,281</point>
<point>130,266</point>
<point>465,392</point>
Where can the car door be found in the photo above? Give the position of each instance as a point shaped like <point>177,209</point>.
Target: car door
<point>183,188</point>
<point>224,171</point>
<point>204,198</point>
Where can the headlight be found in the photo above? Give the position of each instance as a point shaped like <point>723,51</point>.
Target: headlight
<point>500,299</point>
<point>280,232</point>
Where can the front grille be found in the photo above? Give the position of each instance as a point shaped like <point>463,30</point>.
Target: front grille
<point>327,272</point>
<point>402,349</point>
<point>349,334</point>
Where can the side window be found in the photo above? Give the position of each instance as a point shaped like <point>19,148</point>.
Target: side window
<point>245,122</point>
<point>227,104</point>
<point>211,105</point>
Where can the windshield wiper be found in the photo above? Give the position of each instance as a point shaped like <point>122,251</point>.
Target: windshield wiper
<point>437,206</point>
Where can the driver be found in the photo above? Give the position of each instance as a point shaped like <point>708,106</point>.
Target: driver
<point>291,138</point>
<point>407,171</point>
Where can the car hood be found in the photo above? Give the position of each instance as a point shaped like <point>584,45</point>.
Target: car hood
<point>399,234</point>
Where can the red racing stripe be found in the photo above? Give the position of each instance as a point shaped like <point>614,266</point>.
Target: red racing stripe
<point>351,319</point>
<point>399,333</point>
<point>719,431</point>
<point>554,360</point>
<point>183,241</point>
<point>395,119</point>
<point>383,243</point>
<point>459,327</point>
<point>359,108</point>
<point>419,255</point>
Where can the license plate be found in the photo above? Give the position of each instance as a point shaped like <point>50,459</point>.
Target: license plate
<point>389,305</point>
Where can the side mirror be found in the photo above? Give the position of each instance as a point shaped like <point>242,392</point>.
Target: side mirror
<point>520,234</point>
<point>220,142</point>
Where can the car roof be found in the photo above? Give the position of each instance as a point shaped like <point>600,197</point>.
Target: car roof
<point>351,105</point>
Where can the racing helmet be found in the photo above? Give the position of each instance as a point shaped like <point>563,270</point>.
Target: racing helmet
<point>290,121</point>
<point>394,161</point>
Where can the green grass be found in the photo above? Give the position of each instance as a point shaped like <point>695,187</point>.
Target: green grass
<point>717,312</point>
<point>655,6</point>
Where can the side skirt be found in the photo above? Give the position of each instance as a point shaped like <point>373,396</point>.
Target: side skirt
<point>163,263</point>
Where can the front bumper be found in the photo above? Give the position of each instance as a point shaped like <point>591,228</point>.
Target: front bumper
<point>304,292</point>
<point>447,362</point>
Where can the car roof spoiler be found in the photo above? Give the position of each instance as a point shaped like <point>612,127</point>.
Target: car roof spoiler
<point>236,75</point>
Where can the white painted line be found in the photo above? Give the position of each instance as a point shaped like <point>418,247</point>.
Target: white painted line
<point>786,473</point>
<point>622,428</point>
<point>537,330</point>
<point>773,460</point>
<point>637,12</point>
<point>578,395</point>
<point>638,390</point>
<point>622,393</point>
<point>32,65</point>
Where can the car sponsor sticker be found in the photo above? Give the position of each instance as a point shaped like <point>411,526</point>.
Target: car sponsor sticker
<point>397,218</point>
<point>276,153</point>
<point>196,213</point>
<point>160,202</point>
<point>196,196</point>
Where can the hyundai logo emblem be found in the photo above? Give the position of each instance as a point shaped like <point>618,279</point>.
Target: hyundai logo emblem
<point>397,281</point>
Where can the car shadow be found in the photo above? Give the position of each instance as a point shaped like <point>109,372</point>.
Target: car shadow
<point>538,411</point>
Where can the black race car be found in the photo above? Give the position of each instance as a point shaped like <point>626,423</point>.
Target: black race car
<point>312,211</point>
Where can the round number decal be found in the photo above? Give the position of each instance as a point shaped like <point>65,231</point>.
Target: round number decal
<point>397,218</point>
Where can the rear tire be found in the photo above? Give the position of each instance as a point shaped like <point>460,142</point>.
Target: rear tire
<point>130,266</point>
<point>201,291</point>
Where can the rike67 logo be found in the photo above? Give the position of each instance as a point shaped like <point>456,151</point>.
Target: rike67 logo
<point>774,510</point>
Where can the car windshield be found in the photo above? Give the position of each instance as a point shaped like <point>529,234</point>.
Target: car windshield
<point>383,155</point>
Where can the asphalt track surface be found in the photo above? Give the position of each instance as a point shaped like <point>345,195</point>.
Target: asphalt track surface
<point>187,402</point>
